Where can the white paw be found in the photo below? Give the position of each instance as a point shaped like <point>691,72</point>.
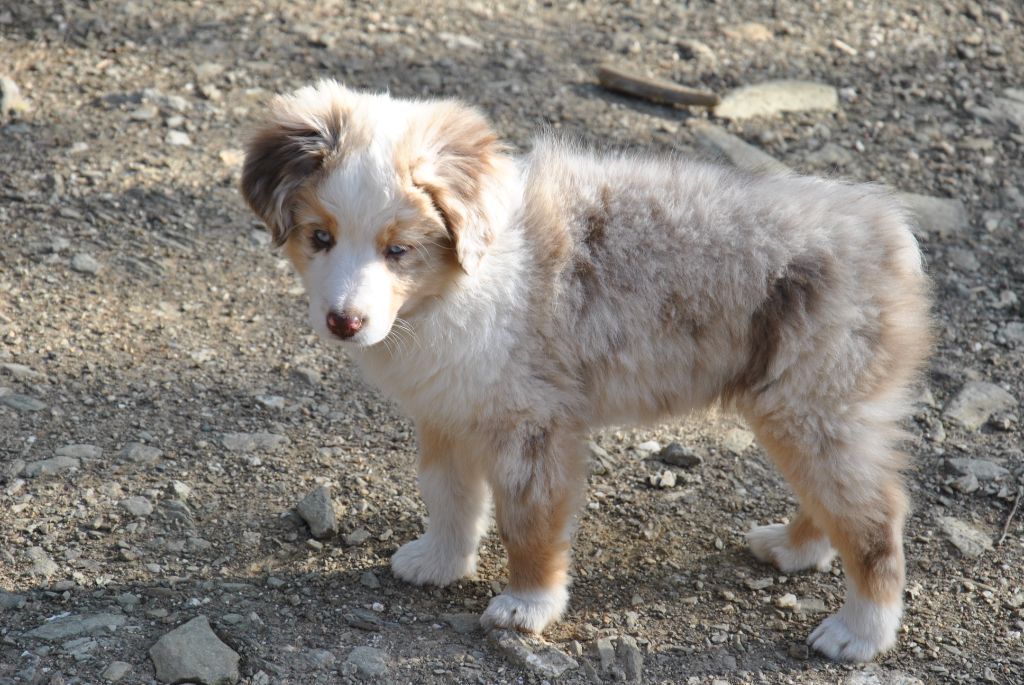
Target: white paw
<point>529,612</point>
<point>771,545</point>
<point>425,562</point>
<point>860,631</point>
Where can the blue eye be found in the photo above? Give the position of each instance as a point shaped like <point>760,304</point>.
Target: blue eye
<point>322,240</point>
<point>395,251</point>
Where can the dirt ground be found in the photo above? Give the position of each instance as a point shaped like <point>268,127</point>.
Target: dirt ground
<point>144,321</point>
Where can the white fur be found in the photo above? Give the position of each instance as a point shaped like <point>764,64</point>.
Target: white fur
<point>458,519</point>
<point>859,631</point>
<point>771,545</point>
<point>529,611</point>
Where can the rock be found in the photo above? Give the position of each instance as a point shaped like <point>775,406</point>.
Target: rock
<point>1013,333</point>
<point>9,600</point>
<point>42,564</point>
<point>649,446</point>
<point>368,662</point>
<point>364,619</point>
<point>11,101</point>
<point>85,264</point>
<point>137,506</point>
<point>21,372</point>
<point>207,71</point>
<point>966,484</point>
<point>664,480</point>
<point>232,157</point>
<point>80,648</point>
<point>178,139</point>
<point>759,583</point>
<point>140,453</point>
<point>737,440</point>
<point>601,462</point>
<point>970,541</point>
<point>810,605</point>
<point>675,454</point>
<point>317,510</point>
<point>80,451</point>
<point>936,215</point>
<point>22,402</point>
<point>786,601</point>
<point>306,375</point>
<point>750,32</point>
<point>48,467</point>
<point>1004,110</point>
<point>180,490</point>
<point>193,653</point>
<point>270,401</point>
<point>605,652</point>
<point>774,97</point>
<point>739,152</point>
<point>318,659</point>
<point>877,676</point>
<point>254,442</point>
<point>116,671</point>
<point>829,155</point>
<point>982,469</point>
<point>463,623</point>
<point>144,113</point>
<point>367,579</point>
<point>356,537</point>
<point>697,51</point>
<point>631,658</point>
<point>965,260</point>
<point>70,626</point>
<point>532,653</point>
<point>976,401</point>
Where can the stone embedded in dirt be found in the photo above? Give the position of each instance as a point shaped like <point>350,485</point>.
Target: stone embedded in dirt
<point>140,453</point>
<point>970,541</point>
<point>193,653</point>
<point>462,623</point>
<point>254,442</point>
<point>144,112</point>
<point>116,670</point>
<point>759,583</point>
<point>306,375</point>
<point>605,649</point>
<point>356,537</point>
<point>270,401</point>
<point>810,605</point>
<point>941,216</point>
<point>878,676</point>
<point>85,264</point>
<point>775,97</point>
<point>664,480</point>
<point>22,402</point>
<point>601,462</point>
<point>650,446</point>
<point>364,619</point>
<point>10,600</point>
<point>368,662</point>
<point>317,510</point>
<point>749,31</point>
<point>532,653</point>
<point>80,648</point>
<point>982,469</point>
<point>80,451</point>
<point>137,506</point>
<point>178,138</point>
<point>48,467</point>
<point>1013,333</point>
<point>739,152</point>
<point>318,659</point>
<point>42,564</point>
<point>737,440</point>
<point>70,626</point>
<point>631,658</point>
<point>829,155</point>
<point>976,401</point>
<point>21,372</point>
<point>1008,110</point>
<point>11,101</point>
<point>786,601</point>
<point>675,454</point>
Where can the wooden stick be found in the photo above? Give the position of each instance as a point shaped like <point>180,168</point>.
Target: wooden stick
<point>1006,526</point>
<point>653,89</point>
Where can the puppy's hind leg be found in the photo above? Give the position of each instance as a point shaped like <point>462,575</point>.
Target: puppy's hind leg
<point>455,491</point>
<point>851,489</point>
<point>797,546</point>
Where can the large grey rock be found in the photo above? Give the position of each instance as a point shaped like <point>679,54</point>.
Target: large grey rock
<point>982,469</point>
<point>533,654</point>
<point>80,451</point>
<point>193,653</point>
<point>141,454</point>
<point>976,401</point>
<point>22,402</point>
<point>741,153</point>
<point>774,97</point>
<point>137,506</point>
<point>48,467</point>
<point>317,510</point>
<point>970,541</point>
<point>941,216</point>
<point>254,442</point>
<point>631,658</point>
<point>368,662</point>
<point>82,624</point>
<point>42,564</point>
<point>20,371</point>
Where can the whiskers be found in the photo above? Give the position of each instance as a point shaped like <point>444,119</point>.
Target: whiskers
<point>401,335</point>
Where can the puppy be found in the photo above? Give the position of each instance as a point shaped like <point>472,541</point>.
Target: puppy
<point>512,305</point>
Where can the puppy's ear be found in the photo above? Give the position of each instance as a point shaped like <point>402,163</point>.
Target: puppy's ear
<point>455,153</point>
<point>303,131</point>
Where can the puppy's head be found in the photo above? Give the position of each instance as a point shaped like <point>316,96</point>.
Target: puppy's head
<point>379,203</point>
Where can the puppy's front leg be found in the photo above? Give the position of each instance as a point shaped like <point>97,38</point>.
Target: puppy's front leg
<point>536,485</point>
<point>455,491</point>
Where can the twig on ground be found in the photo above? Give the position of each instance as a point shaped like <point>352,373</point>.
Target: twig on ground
<point>1009,519</point>
<point>653,89</point>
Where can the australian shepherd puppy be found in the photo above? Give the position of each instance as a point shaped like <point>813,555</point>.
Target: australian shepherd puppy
<point>511,305</point>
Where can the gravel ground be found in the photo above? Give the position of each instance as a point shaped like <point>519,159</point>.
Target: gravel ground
<point>163,408</point>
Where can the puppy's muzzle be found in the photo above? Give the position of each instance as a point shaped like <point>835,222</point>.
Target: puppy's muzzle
<point>344,324</point>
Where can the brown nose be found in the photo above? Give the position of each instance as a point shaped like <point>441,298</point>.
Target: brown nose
<point>344,324</point>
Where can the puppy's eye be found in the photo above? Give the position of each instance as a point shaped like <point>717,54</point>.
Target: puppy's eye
<point>395,251</point>
<point>322,240</point>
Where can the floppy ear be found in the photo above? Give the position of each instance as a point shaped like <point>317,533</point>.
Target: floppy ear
<point>304,130</point>
<point>454,157</point>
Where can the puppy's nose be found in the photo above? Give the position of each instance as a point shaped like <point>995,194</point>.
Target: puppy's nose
<point>344,324</point>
